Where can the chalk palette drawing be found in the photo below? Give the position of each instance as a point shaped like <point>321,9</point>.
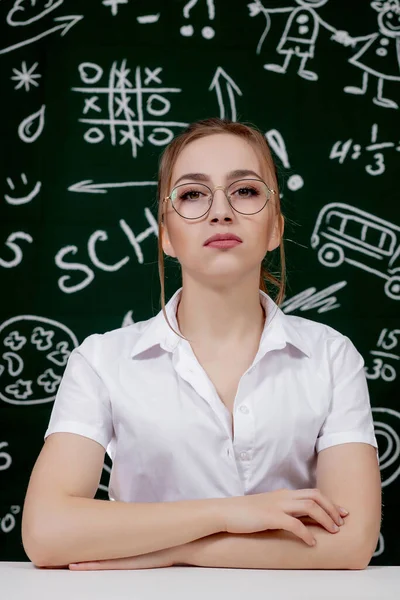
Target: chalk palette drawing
<point>310,299</point>
<point>113,112</point>
<point>35,121</point>
<point>225,86</point>
<point>62,256</point>
<point>34,353</point>
<point>113,4</point>
<point>25,12</point>
<point>379,54</point>
<point>342,150</point>
<point>344,233</point>
<point>387,429</point>
<point>382,367</point>
<point>207,31</point>
<point>277,143</point>
<point>88,187</point>
<point>26,77</point>
<point>66,23</point>
<point>299,36</point>
<point>16,201</point>
<point>11,244</point>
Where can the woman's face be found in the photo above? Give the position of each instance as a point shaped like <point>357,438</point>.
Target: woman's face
<point>215,155</point>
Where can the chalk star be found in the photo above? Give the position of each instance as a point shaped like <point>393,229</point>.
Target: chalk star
<point>26,77</point>
<point>114,5</point>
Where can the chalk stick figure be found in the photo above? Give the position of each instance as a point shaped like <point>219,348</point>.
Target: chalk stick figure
<point>300,34</point>
<point>380,55</point>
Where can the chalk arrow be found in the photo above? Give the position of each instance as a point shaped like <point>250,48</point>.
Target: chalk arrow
<point>68,22</point>
<point>88,187</point>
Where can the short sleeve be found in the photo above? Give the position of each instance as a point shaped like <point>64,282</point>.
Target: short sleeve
<point>82,404</point>
<point>349,418</point>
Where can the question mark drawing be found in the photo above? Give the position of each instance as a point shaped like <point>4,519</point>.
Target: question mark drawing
<point>275,140</point>
<point>207,32</point>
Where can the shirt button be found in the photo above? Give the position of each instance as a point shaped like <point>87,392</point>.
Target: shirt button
<point>243,455</point>
<point>244,409</point>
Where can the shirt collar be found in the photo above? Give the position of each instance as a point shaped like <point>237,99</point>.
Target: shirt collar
<point>277,332</point>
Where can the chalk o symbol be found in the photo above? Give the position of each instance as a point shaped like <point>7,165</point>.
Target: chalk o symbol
<point>84,72</point>
<point>94,135</point>
<point>165,105</point>
<point>295,182</point>
<point>160,142</point>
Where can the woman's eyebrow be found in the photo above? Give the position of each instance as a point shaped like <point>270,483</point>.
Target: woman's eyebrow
<point>237,173</point>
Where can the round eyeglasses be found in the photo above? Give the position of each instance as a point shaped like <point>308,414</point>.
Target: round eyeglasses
<point>194,200</point>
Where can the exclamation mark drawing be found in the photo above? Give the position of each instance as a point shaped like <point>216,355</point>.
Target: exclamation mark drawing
<point>275,140</point>
<point>207,32</point>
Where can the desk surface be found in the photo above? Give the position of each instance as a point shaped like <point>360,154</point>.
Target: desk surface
<point>23,581</point>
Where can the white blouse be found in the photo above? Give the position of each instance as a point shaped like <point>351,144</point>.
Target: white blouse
<point>140,392</point>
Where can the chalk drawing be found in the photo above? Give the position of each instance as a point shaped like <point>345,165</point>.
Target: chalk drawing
<point>10,243</point>
<point>34,353</point>
<point>225,86</point>
<point>67,23</point>
<point>299,36</point>
<point>22,199</point>
<point>379,54</point>
<point>310,300</point>
<point>382,367</point>
<point>87,186</point>
<point>113,4</point>
<point>344,233</point>
<point>276,142</point>
<point>34,120</point>
<point>22,8</point>
<point>341,150</point>
<point>387,429</point>
<point>64,282</point>
<point>124,122</point>
<point>148,19</point>
<point>26,77</point>
<point>207,31</point>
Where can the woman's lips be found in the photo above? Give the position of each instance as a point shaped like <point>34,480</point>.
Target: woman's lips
<point>223,244</point>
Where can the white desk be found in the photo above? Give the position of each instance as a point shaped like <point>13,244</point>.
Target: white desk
<point>23,581</point>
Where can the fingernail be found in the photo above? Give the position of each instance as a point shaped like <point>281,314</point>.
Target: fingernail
<point>344,511</point>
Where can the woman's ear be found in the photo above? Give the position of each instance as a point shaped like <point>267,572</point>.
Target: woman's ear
<point>277,233</point>
<point>165,241</point>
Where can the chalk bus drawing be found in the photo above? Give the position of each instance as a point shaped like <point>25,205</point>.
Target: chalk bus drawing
<point>380,55</point>
<point>22,199</point>
<point>67,22</point>
<point>124,122</point>
<point>26,77</point>
<point>35,119</point>
<point>341,150</point>
<point>207,31</point>
<point>35,350</point>
<point>344,233</point>
<point>299,36</point>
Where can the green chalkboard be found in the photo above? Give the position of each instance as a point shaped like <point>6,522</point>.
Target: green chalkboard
<point>91,94</point>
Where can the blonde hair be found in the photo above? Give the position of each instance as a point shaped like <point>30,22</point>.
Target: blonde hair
<point>194,131</point>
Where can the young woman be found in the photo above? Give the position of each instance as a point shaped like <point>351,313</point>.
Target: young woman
<point>215,411</point>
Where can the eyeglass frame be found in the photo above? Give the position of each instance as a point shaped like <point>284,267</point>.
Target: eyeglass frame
<point>224,189</point>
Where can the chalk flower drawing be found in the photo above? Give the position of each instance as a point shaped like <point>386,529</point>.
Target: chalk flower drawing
<point>26,77</point>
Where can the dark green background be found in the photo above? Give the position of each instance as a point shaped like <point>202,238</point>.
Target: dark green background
<point>310,116</point>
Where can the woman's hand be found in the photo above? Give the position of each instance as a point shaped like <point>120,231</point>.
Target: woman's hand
<point>167,557</point>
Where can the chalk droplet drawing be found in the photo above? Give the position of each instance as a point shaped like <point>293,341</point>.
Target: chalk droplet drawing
<point>32,126</point>
<point>111,102</point>
<point>113,4</point>
<point>35,353</point>
<point>16,201</point>
<point>187,30</point>
<point>343,150</point>
<point>344,233</point>
<point>26,77</point>
<point>379,54</point>
<point>299,36</point>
